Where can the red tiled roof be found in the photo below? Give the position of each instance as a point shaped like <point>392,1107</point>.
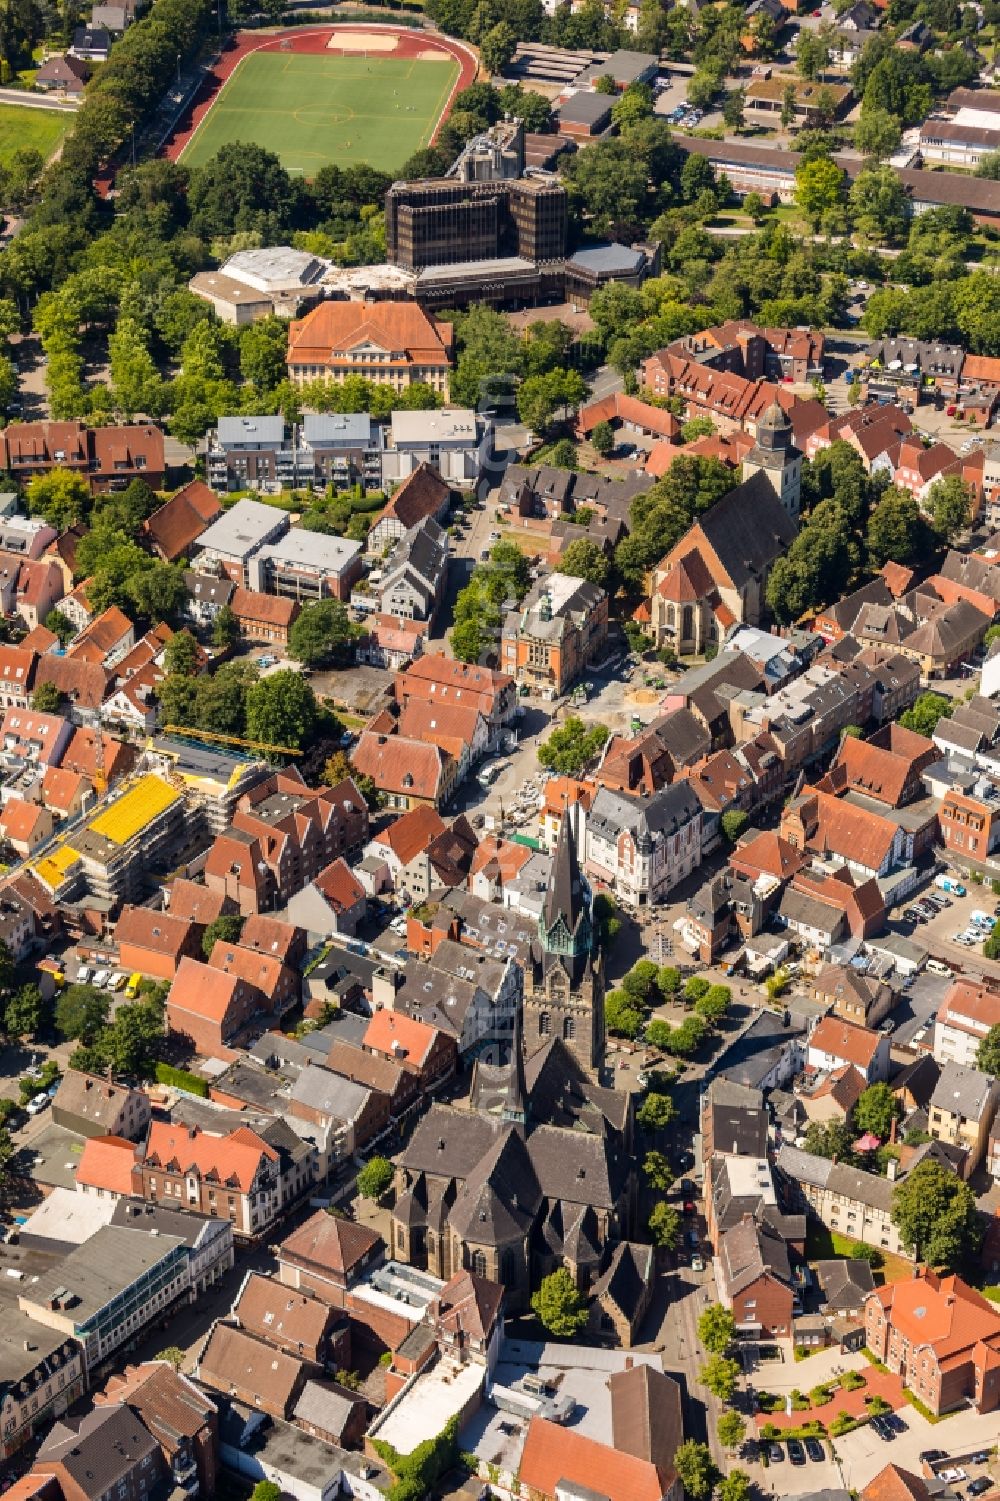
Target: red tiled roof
<point>399,1036</point>
<point>340,886</point>
<point>552,1453</point>
<point>199,990</point>
<point>412,832</point>
<point>182,519</point>
<point>106,1162</point>
<point>161,932</point>
<point>423,493</point>
<point>396,764</point>
<point>857,1045</point>
<point>328,334</point>
<point>269,609</point>
<point>233,1158</point>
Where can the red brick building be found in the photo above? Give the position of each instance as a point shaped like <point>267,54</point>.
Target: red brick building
<point>941,1336</point>
<point>234,1177</point>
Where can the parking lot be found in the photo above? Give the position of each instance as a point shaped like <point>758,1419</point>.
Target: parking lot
<point>938,933</point>
<point>863,1454</point>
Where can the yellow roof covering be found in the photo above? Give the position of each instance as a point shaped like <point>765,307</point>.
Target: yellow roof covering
<point>134,810</point>
<point>53,868</point>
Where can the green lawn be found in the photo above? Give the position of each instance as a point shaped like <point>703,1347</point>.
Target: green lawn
<point>38,129</point>
<point>312,110</point>
<point>825,1245</point>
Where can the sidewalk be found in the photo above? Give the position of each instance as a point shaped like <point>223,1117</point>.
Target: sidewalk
<point>792,1373</point>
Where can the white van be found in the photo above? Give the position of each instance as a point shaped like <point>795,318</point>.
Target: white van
<point>101,978</point>
<point>938,967</point>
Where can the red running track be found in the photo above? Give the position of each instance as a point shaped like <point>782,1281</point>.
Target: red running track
<point>409,44</point>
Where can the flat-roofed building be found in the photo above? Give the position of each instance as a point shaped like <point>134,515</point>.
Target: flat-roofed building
<point>238,535</point>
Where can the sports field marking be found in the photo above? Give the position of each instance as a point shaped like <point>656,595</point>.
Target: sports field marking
<point>315,108</point>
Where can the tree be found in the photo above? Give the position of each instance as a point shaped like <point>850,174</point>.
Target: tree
<point>24,1011</point>
<point>731,1431</point>
<point>832,1139</point>
<point>922,717</point>
<point>622,1016</point>
<point>640,982</point>
<point>656,1170</point>
<point>720,1375</point>
<point>571,747</point>
<point>134,1041</point>
<point>876,1110</point>
<point>223,929</point>
<point>734,822</point>
<point>658,1033</point>
<point>375,1178</point>
<point>181,653</point>
<point>877,134</point>
<point>787,106</point>
<point>936,1216</point>
<point>46,698</point>
<point>668,980</point>
<point>754,208</point>
<point>732,109</point>
<point>61,496</point>
<point>656,1112</point>
<point>583,559</point>
<point>225,629</point>
<point>80,1013</point>
<point>716,1329</point>
<point>714,1004</point>
<point>56,622</point>
<point>664,1226</point>
<point>897,532</point>
<point>321,633</point>
<point>988,1053</point>
<point>695,988</point>
<point>698,1475</point>
<point>560,1307</point>
<point>174,1356</point>
<point>813,54</point>
<point>949,501</point>
<point>281,710</point>
<point>635,104</point>
<point>266,1490</point>
<point>497,47</point>
<point>736,1485</point>
<point>819,185</point>
<point>602,439</point>
<point>879,204</point>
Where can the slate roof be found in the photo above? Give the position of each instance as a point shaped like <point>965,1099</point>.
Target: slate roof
<point>100,1449</point>
<point>748,529</point>
<point>844,1283</point>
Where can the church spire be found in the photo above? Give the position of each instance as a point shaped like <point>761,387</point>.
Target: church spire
<point>565,920</point>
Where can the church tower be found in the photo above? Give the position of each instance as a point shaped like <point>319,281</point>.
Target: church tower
<point>564,988</point>
<point>775,455</point>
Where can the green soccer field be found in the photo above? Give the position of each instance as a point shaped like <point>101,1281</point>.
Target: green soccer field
<point>34,129</point>
<point>310,110</point>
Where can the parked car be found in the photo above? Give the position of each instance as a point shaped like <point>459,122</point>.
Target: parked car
<point>896,1423</point>
<point>815,1450</point>
<point>796,1453</point>
<point>984,1483</point>
<point>83,975</point>
<point>938,967</point>
<point>38,1103</point>
<point>775,1453</point>
<point>952,1476</point>
<point>930,1456</point>
<point>697,1264</point>
<point>982,1458</point>
<point>101,978</point>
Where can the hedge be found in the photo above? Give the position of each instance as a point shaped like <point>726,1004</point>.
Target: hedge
<point>181,1079</point>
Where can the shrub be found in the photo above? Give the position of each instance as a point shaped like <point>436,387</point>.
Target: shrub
<point>852,1381</point>
<point>180,1079</point>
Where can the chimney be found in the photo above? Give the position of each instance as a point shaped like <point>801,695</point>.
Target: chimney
<point>628,1362</point>
<point>892,1166</point>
